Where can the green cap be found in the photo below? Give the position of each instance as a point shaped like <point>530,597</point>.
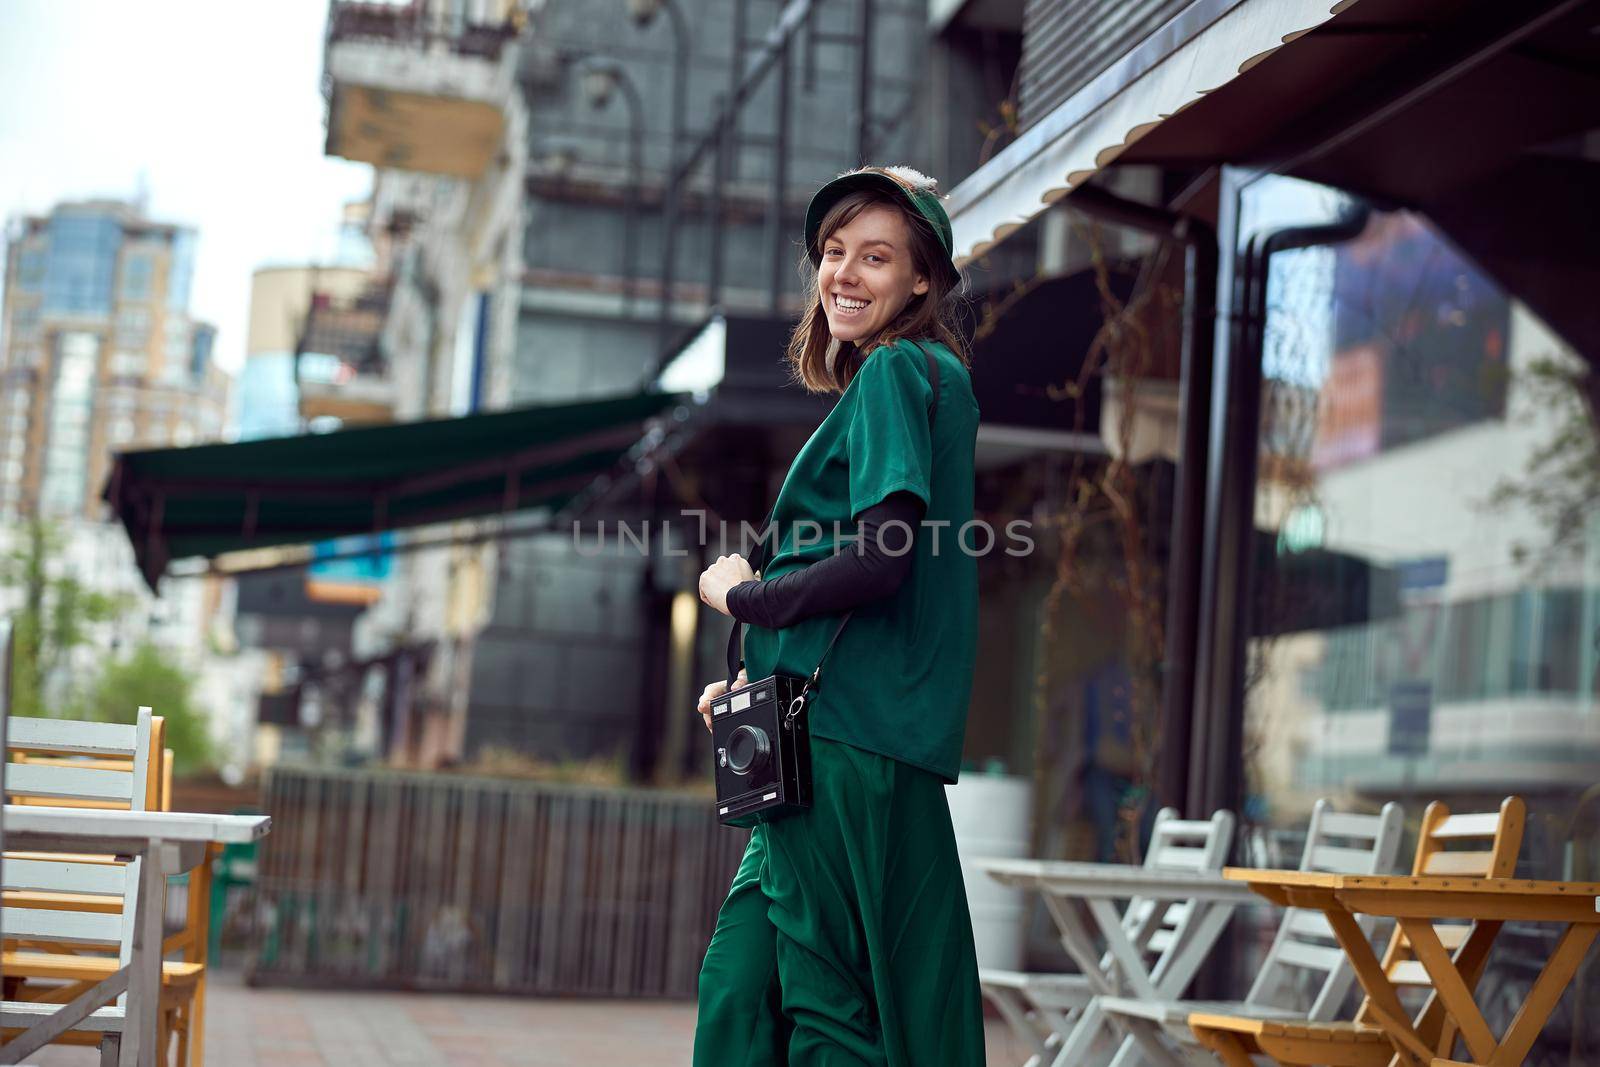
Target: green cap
<point>915,189</point>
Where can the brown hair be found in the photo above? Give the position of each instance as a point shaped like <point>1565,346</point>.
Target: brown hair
<point>822,364</point>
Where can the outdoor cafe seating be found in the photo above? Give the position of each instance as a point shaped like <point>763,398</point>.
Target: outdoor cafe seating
<point>90,846</point>
<point>1177,905</point>
<point>1447,912</point>
<point>51,972</point>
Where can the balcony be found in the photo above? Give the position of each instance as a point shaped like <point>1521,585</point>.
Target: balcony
<point>411,88</point>
<point>340,366</point>
<point>360,400</point>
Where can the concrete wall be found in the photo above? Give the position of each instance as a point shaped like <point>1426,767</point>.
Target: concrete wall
<point>556,673</point>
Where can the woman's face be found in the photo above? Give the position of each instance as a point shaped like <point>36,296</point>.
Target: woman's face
<point>866,277</point>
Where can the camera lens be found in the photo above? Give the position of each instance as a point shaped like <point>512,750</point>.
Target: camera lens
<point>748,750</point>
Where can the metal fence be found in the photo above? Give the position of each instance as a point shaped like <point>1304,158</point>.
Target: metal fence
<point>433,881</point>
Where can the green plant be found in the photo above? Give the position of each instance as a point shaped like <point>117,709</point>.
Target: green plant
<point>1560,486</point>
<point>56,616</point>
<point>146,676</point>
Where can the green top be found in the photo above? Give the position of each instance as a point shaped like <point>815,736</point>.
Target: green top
<point>898,681</point>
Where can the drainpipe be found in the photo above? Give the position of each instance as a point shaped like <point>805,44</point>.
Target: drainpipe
<point>1199,243</point>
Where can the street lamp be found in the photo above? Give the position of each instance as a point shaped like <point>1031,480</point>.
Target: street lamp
<point>557,157</point>
<point>644,12</point>
<point>601,79</point>
<point>599,82</point>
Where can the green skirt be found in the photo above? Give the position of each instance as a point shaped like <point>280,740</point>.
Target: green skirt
<point>845,938</point>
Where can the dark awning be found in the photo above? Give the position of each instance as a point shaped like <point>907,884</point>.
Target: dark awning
<point>1480,115</point>
<point>1207,46</point>
<point>206,500</point>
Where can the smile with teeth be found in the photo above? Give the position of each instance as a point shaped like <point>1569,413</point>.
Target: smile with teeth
<point>847,305</point>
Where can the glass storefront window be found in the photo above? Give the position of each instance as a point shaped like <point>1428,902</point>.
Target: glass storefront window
<point>1426,609</point>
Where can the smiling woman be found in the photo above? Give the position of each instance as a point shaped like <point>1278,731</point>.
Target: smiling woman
<point>867,274</point>
<point>878,241</point>
<point>845,936</point>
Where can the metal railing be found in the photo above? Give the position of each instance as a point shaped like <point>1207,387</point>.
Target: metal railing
<point>414,25</point>
<point>375,878</point>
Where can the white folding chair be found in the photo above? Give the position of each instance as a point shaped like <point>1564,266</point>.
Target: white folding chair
<point>1043,1008</point>
<point>51,873</point>
<point>1304,949</point>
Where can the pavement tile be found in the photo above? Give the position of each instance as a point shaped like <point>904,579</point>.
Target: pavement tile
<point>330,1028</point>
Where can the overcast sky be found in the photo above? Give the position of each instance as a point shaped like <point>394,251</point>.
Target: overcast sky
<point>213,106</point>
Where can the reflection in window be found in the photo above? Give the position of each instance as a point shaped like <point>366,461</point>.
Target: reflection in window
<point>1417,639</point>
<point>1520,643</point>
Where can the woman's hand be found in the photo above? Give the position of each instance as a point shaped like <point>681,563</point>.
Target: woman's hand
<point>721,576</point>
<point>713,691</point>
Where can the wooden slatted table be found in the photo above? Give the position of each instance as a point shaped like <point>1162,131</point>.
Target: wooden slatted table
<point>171,842</point>
<point>1416,903</point>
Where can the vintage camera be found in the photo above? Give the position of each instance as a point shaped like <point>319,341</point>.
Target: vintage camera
<point>762,750</point>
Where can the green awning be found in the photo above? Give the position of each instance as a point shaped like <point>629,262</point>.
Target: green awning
<point>203,501</point>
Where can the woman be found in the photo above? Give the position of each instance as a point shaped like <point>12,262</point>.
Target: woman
<point>845,938</point>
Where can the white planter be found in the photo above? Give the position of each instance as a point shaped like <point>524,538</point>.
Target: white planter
<point>990,813</point>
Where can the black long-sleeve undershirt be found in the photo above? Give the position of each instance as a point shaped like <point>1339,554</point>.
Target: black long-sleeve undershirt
<point>851,577</point>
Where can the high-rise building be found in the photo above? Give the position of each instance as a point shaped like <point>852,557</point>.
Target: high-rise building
<point>99,353</point>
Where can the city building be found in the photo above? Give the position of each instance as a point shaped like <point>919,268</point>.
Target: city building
<point>428,94</point>
<point>273,384</point>
<point>312,362</point>
<point>100,353</point>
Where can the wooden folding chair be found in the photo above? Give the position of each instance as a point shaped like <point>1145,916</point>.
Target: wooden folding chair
<point>1043,1008</point>
<point>1303,948</point>
<point>1468,846</point>
<point>61,971</point>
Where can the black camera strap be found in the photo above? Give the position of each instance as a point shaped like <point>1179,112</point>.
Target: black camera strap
<point>765,551</point>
